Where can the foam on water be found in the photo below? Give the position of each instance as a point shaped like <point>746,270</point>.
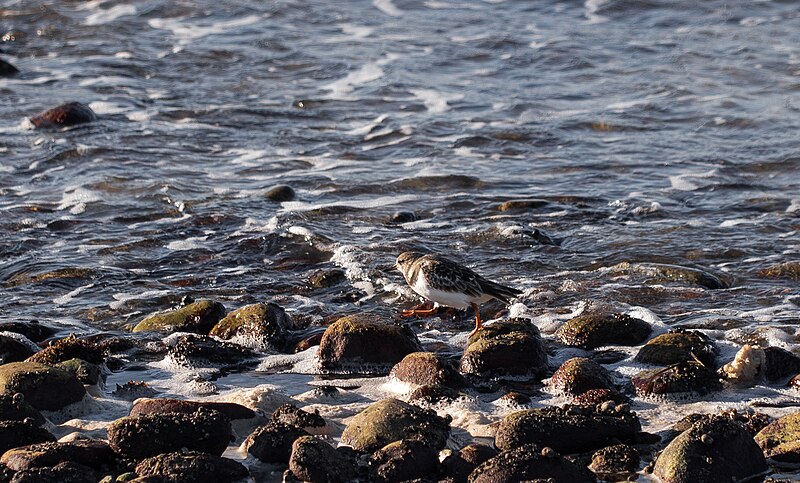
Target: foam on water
<point>111,14</point>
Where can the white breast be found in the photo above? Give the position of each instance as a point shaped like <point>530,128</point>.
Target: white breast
<point>457,300</point>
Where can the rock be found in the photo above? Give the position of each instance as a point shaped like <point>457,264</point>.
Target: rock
<point>198,317</point>
<point>684,380</point>
<point>779,364</point>
<point>522,205</point>
<point>752,421</point>
<point>7,70</point>
<point>404,460</point>
<point>32,330</point>
<point>291,415</point>
<point>615,463</point>
<point>529,463</point>
<point>280,193</point>
<point>569,429</point>
<point>460,464</point>
<point>426,368</point>
<point>578,375</point>
<point>14,434</point>
<point>593,397</point>
<point>12,350</point>
<point>659,272</point>
<point>66,472</point>
<point>785,270</point>
<point>69,348</point>
<point>507,348</point>
<point>133,390</point>
<point>88,452</point>
<point>780,440</point>
<point>713,450</point>
<point>13,407</point>
<point>353,341</point>
<point>403,217</point>
<point>85,372</point>
<point>590,331</point>
<point>391,420</point>
<point>139,437</point>
<point>678,346</point>
<point>44,387</point>
<point>231,411</point>
<point>272,443</point>
<point>433,394</point>
<point>326,278</point>
<point>192,467</point>
<point>316,461</point>
<point>192,350</point>
<point>261,323</point>
<point>65,115</point>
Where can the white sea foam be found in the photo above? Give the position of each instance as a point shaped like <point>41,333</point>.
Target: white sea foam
<point>67,298</point>
<point>387,7</point>
<point>366,73</point>
<point>111,14</point>
<point>435,101</point>
<point>190,243</point>
<point>300,206</point>
<point>187,31</point>
<point>76,198</point>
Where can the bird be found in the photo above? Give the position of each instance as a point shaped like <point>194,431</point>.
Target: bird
<point>449,284</point>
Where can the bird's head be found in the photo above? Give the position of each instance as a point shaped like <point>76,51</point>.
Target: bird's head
<point>405,259</point>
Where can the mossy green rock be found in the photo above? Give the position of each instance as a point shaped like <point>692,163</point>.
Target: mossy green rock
<point>529,463</point>
<point>713,450</point>
<point>263,322</point>
<point>198,317</point>
<point>785,270</point>
<point>360,343</point>
<point>567,429</point>
<point>678,346</point>
<point>86,372</point>
<point>596,330</point>
<point>578,375</point>
<point>684,380</point>
<point>780,440</point>
<point>391,420</point>
<point>44,387</point>
<point>426,368</point>
<point>507,348</point>
<point>660,273</point>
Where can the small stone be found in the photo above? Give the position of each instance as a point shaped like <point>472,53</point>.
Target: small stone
<point>12,350</point>
<point>263,323</point>
<point>706,439</point>
<point>291,415</point>
<point>280,193</point>
<point>615,463</point>
<point>684,380</point>
<point>526,463</point>
<point>548,452</point>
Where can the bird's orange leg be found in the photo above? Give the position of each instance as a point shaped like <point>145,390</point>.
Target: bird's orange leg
<point>478,321</point>
<point>418,312</point>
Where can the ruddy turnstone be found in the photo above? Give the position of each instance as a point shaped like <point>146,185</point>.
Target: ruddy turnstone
<point>449,284</point>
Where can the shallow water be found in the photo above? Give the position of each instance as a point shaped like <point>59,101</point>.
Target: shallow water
<point>654,131</point>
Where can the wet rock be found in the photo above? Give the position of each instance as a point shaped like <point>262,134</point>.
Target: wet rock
<point>779,364</point>
<point>608,356</point>
<point>785,270</point>
<point>403,217</point>
<point>615,463</point>
<point>752,421</point>
<point>14,434</point>
<point>590,331</point>
<point>522,205</point>
<point>198,317</point>
<point>263,323</point>
<point>203,351</point>
<point>578,375</point>
<point>13,407</point>
<point>280,193</point>
<point>683,380</point>
<point>507,348</point>
<point>291,415</point>
<point>138,437</point>
<point>7,70</point>
<point>659,272</point>
<point>165,405</point>
<point>353,341</point>
<point>85,372</point>
<point>326,278</point>
<point>272,443</point>
<point>426,368</point>
<point>192,467</point>
<point>433,394</point>
<point>460,464</point>
<point>316,461</point>
<point>32,330</point>
<point>12,350</point>
<point>66,472</point>
<point>529,463</point>
<point>780,440</point>
<point>44,387</point>
<point>88,452</point>
<point>714,449</point>
<point>391,420</point>
<point>514,398</point>
<point>678,346</point>
<point>404,460</point>
<point>69,114</point>
<point>593,397</point>
<point>133,390</point>
<point>569,429</point>
<point>69,348</point>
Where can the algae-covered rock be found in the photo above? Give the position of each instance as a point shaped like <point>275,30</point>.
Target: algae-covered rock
<point>65,472</point>
<point>529,463</point>
<point>460,464</point>
<point>507,348</point>
<point>752,421</point>
<point>712,450</point>
<point>85,372</point>
<point>522,205</point>
<point>191,350</point>
<point>578,375</point>
<point>13,407</point>
<point>661,273</point>
<point>192,467</point>
<point>272,443</point>
<point>593,397</point>
<point>12,350</point>
<point>140,437</point>
<point>785,270</point>
<point>615,463</point>
<point>567,429</point>
<point>263,323</point>
<point>32,330</point>
<point>404,460</point>
<point>594,330</point>
<point>433,394</point>
<point>353,341</point>
<point>69,114</point>
<point>678,346</point>
<point>280,193</point>
<point>426,368</point>
<point>231,411</point>
<point>89,452</point>
<point>14,434</point>
<point>683,380</point>
<point>316,461</point>
<point>780,440</point>
<point>44,387</point>
<point>291,415</point>
<point>198,317</point>
<point>391,420</point>
<point>69,348</point>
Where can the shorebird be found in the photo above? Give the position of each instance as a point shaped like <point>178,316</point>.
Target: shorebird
<point>449,284</point>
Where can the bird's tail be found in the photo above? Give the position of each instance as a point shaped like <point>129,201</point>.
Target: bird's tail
<point>500,292</point>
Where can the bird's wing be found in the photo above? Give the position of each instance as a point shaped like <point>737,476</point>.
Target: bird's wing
<point>452,277</point>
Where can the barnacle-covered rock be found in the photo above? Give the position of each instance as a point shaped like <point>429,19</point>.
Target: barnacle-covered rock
<point>594,330</point>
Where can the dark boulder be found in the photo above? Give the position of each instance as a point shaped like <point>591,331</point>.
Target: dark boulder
<point>594,330</point>
<point>785,270</point>
<point>44,387</point>
<point>192,467</point>
<point>65,115</point>
<point>780,440</point>
<point>231,411</point>
<point>507,348</point>
<point>291,415</point>
<point>65,472</point>
<point>593,397</point>
<point>198,317</point>
<point>404,460</point>
<point>13,407</point>
<point>316,461</point>
<point>272,443</point>
<point>193,351</point>
<point>85,372</point>
<point>615,463</point>
<point>678,346</point>
<point>88,452</point>
<point>13,350</point>
<point>779,364</point>
<point>426,368</point>
<point>14,434</point>
<point>578,375</point>
<point>460,464</point>
<point>529,463</point>
<point>280,193</point>
<point>69,348</point>
<point>260,323</point>
<point>32,330</point>
<point>683,380</point>
<point>7,70</point>
<point>661,273</point>
<point>433,394</point>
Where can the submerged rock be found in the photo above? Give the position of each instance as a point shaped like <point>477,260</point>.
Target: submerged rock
<point>291,415</point>
<point>391,420</point>
<point>686,379</point>
<point>404,460</point>
<point>785,270</point>
<point>316,461</point>
<point>32,330</point>
<point>507,348</point>
<point>231,411</point>
<point>264,323</point>
<point>678,346</point>
<point>433,394</point>
<point>426,368</point>
<point>272,443</point>
<point>138,437</point>
<point>353,341</point>
<point>660,272</point>
<point>522,205</point>
<point>88,452</point>
<point>578,375</point>
<point>65,115</point>
<point>780,440</point>
<point>44,387</point>
<point>593,397</point>
<point>615,463</point>
<point>14,434</point>
<point>69,348</point>
<point>280,193</point>
<point>601,329</point>
<point>569,429</point>
<point>192,467</point>
<point>7,70</point>
<point>712,450</point>
<point>198,317</point>
<point>327,278</point>
<point>460,464</point>
<point>203,351</point>
<point>12,350</point>
<point>529,463</point>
